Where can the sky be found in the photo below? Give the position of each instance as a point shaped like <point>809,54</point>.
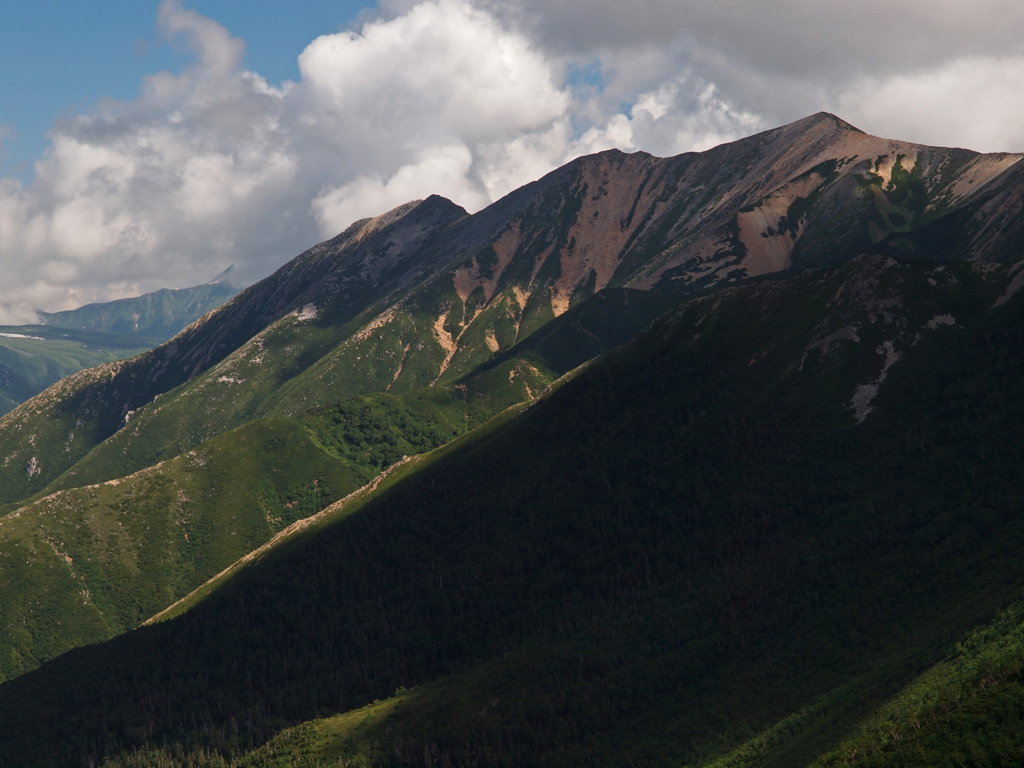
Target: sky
<point>148,144</point>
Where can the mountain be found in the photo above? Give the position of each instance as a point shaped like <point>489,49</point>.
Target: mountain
<point>840,327</point>
<point>157,315</point>
<point>426,293</point>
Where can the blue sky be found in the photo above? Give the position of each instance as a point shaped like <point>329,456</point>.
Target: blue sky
<point>58,57</point>
<point>151,144</point>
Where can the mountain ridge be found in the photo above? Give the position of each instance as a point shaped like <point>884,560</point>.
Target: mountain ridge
<point>158,315</point>
<point>604,220</point>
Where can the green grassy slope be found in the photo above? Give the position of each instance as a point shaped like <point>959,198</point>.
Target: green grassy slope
<point>251,482</point>
<point>248,385</point>
<point>84,565</point>
<point>964,710</point>
<point>694,542</point>
<point>95,404</point>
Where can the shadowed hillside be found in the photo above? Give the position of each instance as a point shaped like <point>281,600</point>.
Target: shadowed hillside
<point>710,534</point>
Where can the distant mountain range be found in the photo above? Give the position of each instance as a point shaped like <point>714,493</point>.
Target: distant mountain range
<point>32,357</point>
<point>706,460</point>
<point>158,315</point>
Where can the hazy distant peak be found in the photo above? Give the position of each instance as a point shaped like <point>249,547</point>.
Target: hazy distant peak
<point>224,277</point>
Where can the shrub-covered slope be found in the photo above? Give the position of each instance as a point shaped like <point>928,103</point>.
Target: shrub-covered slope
<point>83,565</point>
<point>733,539</point>
<point>61,425</point>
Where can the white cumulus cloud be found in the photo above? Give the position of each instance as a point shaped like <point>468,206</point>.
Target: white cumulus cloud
<point>967,102</point>
<point>424,103</point>
<point>212,165</point>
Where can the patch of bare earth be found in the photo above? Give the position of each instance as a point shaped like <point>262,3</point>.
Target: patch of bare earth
<point>980,172</point>
<point>468,278</point>
<point>599,235</point>
<point>1015,285</point>
<point>769,246</point>
<point>378,322</point>
<point>448,343</point>
<point>401,364</point>
<point>865,393</point>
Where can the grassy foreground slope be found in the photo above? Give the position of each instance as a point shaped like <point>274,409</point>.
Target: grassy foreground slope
<point>84,565</point>
<point>964,710</point>
<point>769,514</point>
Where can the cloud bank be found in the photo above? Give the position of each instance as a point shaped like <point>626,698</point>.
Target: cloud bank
<point>213,165</point>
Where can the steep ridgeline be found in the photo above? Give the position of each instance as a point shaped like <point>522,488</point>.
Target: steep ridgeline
<point>359,267</point>
<point>425,294</point>
<point>761,526</point>
<point>820,191</point>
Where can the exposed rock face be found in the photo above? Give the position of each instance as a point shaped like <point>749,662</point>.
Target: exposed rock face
<point>814,192</point>
<point>33,468</point>
<point>818,191</point>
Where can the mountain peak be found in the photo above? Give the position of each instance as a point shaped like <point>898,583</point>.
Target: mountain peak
<point>434,207</point>
<point>827,118</point>
<point>224,277</point>
<point>813,130</point>
<point>441,205</point>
